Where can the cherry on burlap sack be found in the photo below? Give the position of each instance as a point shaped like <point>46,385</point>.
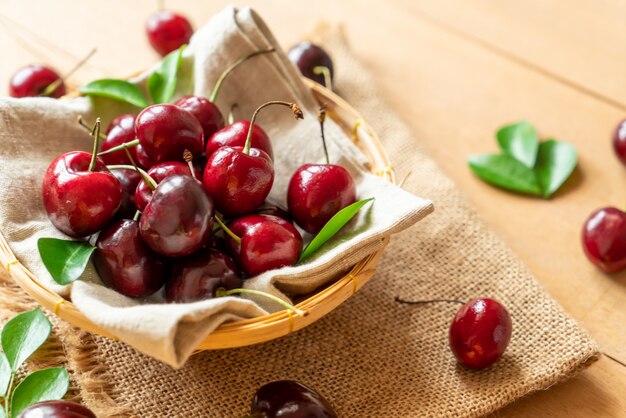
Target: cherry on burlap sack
<point>372,357</point>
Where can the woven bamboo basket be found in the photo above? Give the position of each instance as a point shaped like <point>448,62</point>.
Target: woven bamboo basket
<point>268,327</point>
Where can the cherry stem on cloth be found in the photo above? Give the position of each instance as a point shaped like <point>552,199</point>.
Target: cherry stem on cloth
<point>321,116</point>
<point>297,112</point>
<point>56,83</point>
<point>227,230</point>
<point>123,145</point>
<point>96,144</point>
<point>324,71</point>
<point>149,180</point>
<point>422,302</point>
<point>231,68</point>
<point>221,292</point>
<point>82,123</point>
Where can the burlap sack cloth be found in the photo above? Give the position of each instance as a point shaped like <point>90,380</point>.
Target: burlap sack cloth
<point>370,357</point>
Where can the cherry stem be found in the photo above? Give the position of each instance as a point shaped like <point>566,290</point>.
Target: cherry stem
<point>137,215</point>
<point>145,176</point>
<point>122,146</point>
<point>227,230</point>
<point>231,114</point>
<point>324,71</point>
<point>96,144</point>
<point>82,123</point>
<point>188,157</point>
<point>231,68</point>
<point>56,83</point>
<point>297,112</point>
<point>321,116</point>
<point>404,179</point>
<point>421,302</point>
<point>223,292</point>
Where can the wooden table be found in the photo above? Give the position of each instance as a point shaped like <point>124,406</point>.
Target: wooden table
<point>455,71</point>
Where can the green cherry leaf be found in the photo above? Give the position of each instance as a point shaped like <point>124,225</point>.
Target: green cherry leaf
<point>332,227</point>
<point>555,163</point>
<point>23,335</point>
<point>5,375</point>
<point>120,90</point>
<point>162,82</point>
<point>42,385</point>
<point>65,260</point>
<point>520,141</point>
<point>504,171</point>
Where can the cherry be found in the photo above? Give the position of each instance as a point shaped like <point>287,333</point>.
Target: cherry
<point>239,179</point>
<point>129,179</point>
<point>168,31</point>
<point>56,409</point>
<point>266,242</point>
<point>480,332</point>
<point>80,194</point>
<point>207,113</point>
<point>619,141</point>
<point>316,192</point>
<point>125,263</point>
<point>166,131</point>
<point>177,221</point>
<point>158,173</point>
<point>120,130</point>
<point>604,239</point>
<point>200,275</point>
<point>234,135</point>
<point>32,80</point>
<point>313,62</point>
<point>289,399</point>
<point>142,158</point>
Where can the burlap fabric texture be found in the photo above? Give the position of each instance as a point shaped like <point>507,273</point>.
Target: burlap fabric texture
<point>370,357</point>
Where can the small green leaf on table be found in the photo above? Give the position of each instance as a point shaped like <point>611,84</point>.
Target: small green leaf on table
<point>23,335</point>
<point>333,226</point>
<point>162,82</point>
<point>43,385</point>
<point>504,171</point>
<point>555,163</point>
<point>120,90</point>
<point>65,260</point>
<point>520,141</point>
<point>5,374</point>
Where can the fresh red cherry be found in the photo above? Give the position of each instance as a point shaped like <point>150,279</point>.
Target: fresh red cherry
<point>142,158</point>
<point>480,332</point>
<point>200,275</point>
<point>267,242</point>
<point>158,173</point>
<point>619,141</point>
<point>129,179</point>
<point>120,130</point>
<point>206,112</point>
<point>56,409</point>
<point>604,239</point>
<point>168,31</point>
<point>80,194</point>
<point>290,399</point>
<point>313,62</point>
<point>125,263</point>
<point>234,135</point>
<point>177,221</point>
<point>165,131</point>
<point>32,80</point>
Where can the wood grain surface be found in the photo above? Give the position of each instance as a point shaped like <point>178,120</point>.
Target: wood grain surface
<point>455,71</point>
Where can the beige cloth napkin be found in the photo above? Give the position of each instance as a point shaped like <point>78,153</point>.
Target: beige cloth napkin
<point>34,131</point>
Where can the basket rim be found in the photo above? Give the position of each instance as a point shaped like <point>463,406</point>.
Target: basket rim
<point>267,327</point>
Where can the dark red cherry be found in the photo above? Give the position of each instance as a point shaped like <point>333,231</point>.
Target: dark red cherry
<point>306,56</point>
<point>165,131</point>
<point>119,131</point>
<point>234,135</point>
<point>480,332</point>
<point>32,80</point>
<point>142,158</point>
<point>316,192</point>
<point>125,263</point>
<point>207,113</point>
<point>80,202</point>
<point>198,276</point>
<point>158,173</point>
<point>267,242</point>
<point>604,239</point>
<point>168,31</point>
<point>177,221</point>
<point>238,182</point>
<point>129,179</point>
<point>290,399</point>
<point>56,409</point>
<point>619,141</point>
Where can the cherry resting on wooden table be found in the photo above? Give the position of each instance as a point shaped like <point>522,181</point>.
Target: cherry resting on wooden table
<point>604,239</point>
